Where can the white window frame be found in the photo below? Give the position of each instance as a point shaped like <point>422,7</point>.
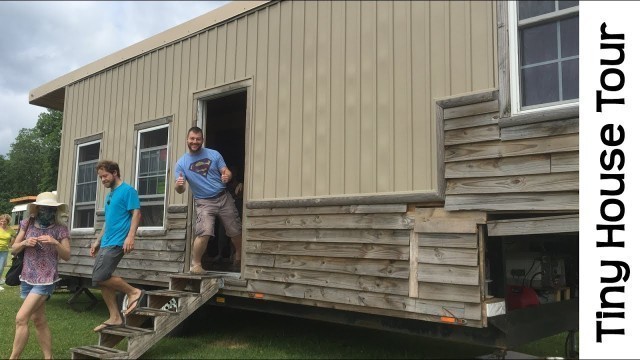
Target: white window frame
<point>514,68</point>
<point>75,186</point>
<point>164,213</point>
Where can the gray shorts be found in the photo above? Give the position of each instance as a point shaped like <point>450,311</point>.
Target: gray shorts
<point>106,262</point>
<point>222,206</point>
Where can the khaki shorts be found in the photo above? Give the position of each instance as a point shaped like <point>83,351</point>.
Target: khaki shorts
<point>222,206</point>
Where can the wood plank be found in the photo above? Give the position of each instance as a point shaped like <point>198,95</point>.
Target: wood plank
<point>453,240</point>
<point>471,135</point>
<point>373,267</point>
<point>340,200</point>
<point>519,165</point>
<point>346,209</point>
<point>449,292</point>
<point>414,252</point>
<point>448,274</point>
<point>140,244</point>
<point>137,254</point>
<point>482,240</point>
<point>259,260</point>
<point>366,251</point>
<point>540,116</point>
<point>560,201</point>
<point>131,276</point>
<point>549,128</point>
<point>364,299</point>
<point>446,225</point>
<point>397,237</point>
<point>448,256</point>
<point>423,214</point>
<point>568,181</point>
<point>568,161</point>
<point>471,121</point>
<point>541,225</point>
<point>472,109</point>
<point>328,280</point>
<point>496,149</point>
<point>347,307</point>
<point>352,221</point>
<point>133,264</point>
<point>468,99</point>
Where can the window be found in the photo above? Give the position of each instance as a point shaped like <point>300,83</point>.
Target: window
<point>84,204</point>
<point>544,54</point>
<point>151,176</point>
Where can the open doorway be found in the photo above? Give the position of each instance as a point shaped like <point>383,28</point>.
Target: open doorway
<point>224,126</point>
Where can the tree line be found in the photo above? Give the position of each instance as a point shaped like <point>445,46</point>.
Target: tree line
<point>31,165</point>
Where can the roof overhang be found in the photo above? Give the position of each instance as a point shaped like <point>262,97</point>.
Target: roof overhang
<point>51,95</point>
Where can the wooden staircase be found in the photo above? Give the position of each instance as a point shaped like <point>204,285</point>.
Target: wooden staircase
<point>164,310</point>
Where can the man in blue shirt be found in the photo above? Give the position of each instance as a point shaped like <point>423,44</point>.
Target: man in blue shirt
<point>121,220</point>
<point>207,174</point>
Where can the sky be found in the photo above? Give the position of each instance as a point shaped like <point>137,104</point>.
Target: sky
<point>43,40</point>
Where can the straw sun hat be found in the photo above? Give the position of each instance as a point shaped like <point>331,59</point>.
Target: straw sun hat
<point>48,199</point>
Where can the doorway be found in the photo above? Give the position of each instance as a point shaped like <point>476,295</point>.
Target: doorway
<point>224,123</point>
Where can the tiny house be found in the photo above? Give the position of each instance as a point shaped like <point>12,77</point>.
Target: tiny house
<point>407,165</point>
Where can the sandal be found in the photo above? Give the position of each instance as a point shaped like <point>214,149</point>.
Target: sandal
<point>135,304</point>
<point>106,325</point>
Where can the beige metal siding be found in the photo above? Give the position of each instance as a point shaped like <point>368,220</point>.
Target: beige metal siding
<point>343,92</point>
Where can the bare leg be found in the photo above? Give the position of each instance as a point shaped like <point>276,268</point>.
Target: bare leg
<point>237,243</point>
<point>199,247</point>
<point>109,288</point>
<point>43,333</point>
<point>29,306</point>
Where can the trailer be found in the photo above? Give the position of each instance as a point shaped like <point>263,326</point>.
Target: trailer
<point>406,165</point>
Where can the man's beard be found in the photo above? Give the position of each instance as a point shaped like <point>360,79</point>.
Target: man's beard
<point>110,184</point>
<point>196,150</point>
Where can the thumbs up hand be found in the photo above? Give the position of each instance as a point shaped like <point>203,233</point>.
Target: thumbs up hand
<point>180,180</point>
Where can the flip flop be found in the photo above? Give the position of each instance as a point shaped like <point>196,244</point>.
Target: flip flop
<point>106,325</point>
<point>137,303</point>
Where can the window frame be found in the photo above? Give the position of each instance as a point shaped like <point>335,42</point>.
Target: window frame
<point>141,131</point>
<point>75,185</point>
<point>514,58</point>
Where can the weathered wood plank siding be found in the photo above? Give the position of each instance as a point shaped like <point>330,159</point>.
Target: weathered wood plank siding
<point>524,163</point>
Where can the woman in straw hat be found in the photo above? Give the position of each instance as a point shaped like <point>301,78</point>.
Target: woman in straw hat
<point>44,238</point>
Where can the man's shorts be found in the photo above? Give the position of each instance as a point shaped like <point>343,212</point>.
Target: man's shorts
<point>223,206</point>
<point>44,290</point>
<point>106,262</point>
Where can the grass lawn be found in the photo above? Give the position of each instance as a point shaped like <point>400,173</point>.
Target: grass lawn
<point>226,333</point>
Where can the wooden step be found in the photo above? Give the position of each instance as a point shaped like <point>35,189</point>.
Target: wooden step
<point>127,331</point>
<point>206,275</point>
<point>97,352</point>
<point>172,293</point>
<point>147,311</point>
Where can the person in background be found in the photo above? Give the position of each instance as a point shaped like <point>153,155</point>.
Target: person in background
<point>207,174</point>
<point>121,220</point>
<point>7,235</point>
<point>43,237</point>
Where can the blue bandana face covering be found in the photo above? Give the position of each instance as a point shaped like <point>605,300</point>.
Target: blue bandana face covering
<point>46,215</point>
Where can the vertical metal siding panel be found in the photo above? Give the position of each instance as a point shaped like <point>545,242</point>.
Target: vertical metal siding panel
<point>323,121</point>
<point>352,98</point>
<point>402,144</point>
<point>109,128</point>
<point>438,71</point>
<point>309,100</point>
<point>135,75</point>
<point>128,109</point>
<point>368,102</point>
<point>146,79</point>
<point>140,89</point>
<point>241,48</point>
<point>481,58</point>
<point>337,147</point>
<point>82,88</point>
<point>179,121</point>
<point>230,62</point>
<point>153,86</point>
<point>67,147</point>
<point>284,101</point>
<point>91,84</point>
<point>297,81</point>
<point>162,82</point>
<point>203,43</point>
<point>271,126</point>
<point>420,96</point>
<point>251,70</point>
<point>220,54</point>
<point>101,102</point>
<point>457,33</point>
<point>260,115</point>
<point>212,50</point>
<point>384,108</point>
<point>95,104</point>
<point>120,122</point>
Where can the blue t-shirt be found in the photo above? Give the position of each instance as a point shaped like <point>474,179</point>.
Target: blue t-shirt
<point>118,205</point>
<point>202,172</point>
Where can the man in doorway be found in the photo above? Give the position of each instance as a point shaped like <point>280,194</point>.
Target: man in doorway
<point>121,220</point>
<point>207,174</point>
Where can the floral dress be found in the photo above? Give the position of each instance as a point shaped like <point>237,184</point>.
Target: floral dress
<point>41,263</point>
